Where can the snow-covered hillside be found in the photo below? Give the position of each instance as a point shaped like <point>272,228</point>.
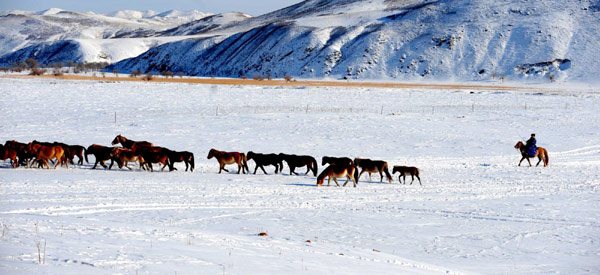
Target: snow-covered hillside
<point>476,213</point>
<point>58,35</point>
<point>408,40</point>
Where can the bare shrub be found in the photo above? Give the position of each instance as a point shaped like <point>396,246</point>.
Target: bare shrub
<point>167,74</point>
<point>287,78</point>
<point>36,71</point>
<point>148,77</point>
<point>258,77</point>
<point>57,72</point>
<point>269,76</point>
<point>180,74</point>
<point>136,73</point>
<point>116,72</point>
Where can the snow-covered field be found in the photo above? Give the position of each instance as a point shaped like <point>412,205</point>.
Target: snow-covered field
<point>477,212</point>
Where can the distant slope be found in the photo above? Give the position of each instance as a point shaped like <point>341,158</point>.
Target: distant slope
<point>34,34</point>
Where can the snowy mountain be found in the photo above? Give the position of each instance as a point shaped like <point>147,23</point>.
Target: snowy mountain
<point>460,40</point>
<point>90,36</point>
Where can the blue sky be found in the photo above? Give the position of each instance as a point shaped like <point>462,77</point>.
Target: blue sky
<point>253,7</point>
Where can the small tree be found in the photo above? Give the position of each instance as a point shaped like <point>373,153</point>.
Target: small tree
<point>269,76</point>
<point>180,74</point>
<point>287,78</point>
<point>116,72</point>
<point>31,63</point>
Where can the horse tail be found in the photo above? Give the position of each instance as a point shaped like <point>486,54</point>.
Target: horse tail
<point>85,154</point>
<point>245,161</point>
<point>546,157</point>
<point>387,171</point>
<point>355,173</point>
<point>315,167</point>
<point>192,163</point>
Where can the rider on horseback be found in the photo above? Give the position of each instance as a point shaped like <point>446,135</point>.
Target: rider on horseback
<point>531,149</point>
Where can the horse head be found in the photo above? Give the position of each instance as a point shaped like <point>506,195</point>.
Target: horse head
<point>211,153</point>
<point>519,145</point>
<point>116,140</point>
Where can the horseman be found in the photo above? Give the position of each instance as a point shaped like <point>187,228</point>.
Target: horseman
<point>530,147</point>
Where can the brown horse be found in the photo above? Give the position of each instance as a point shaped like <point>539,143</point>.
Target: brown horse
<point>407,170</point>
<point>373,166</point>
<point>334,172</point>
<point>541,154</point>
<point>22,153</point>
<point>184,156</point>
<point>128,143</point>
<point>225,158</point>
<point>122,156</point>
<point>44,153</point>
<point>101,153</point>
<point>9,153</point>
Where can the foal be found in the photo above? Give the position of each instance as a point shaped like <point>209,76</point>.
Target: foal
<point>407,170</point>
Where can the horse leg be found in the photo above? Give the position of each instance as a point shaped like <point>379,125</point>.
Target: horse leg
<point>336,182</point>
<point>413,179</point>
<point>361,172</point>
<point>307,169</point>
<point>103,164</point>
<point>329,181</point>
<point>263,169</point>
<point>521,161</point>
<point>404,178</point>
<point>419,180</point>
<point>539,160</point>
<point>370,179</point>
<point>529,162</point>
<point>381,176</point>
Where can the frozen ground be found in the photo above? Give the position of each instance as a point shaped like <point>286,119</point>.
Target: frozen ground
<point>477,212</point>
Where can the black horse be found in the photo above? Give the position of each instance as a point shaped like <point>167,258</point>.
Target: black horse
<point>295,161</point>
<point>266,159</point>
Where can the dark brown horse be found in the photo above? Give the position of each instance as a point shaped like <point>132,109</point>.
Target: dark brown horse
<point>407,170</point>
<point>9,153</point>
<point>128,143</point>
<point>185,156</point>
<point>72,151</point>
<point>334,172</point>
<point>541,154</point>
<point>294,161</point>
<point>101,153</point>
<point>225,158</point>
<point>373,166</point>
<point>153,154</point>
<point>266,159</point>
<point>22,154</point>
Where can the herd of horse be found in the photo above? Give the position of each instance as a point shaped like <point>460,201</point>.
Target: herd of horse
<point>145,154</point>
